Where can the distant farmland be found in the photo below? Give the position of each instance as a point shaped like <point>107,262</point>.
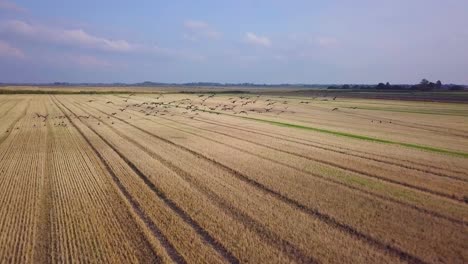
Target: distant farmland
<point>236,178</point>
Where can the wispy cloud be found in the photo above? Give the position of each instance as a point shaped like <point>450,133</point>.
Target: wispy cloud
<point>200,29</point>
<point>10,6</point>
<point>6,50</point>
<point>88,61</point>
<point>326,41</point>
<point>74,37</point>
<point>82,39</point>
<point>170,53</point>
<point>254,39</point>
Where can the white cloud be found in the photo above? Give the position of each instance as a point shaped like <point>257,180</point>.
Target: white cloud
<point>81,37</point>
<point>326,41</point>
<point>10,6</point>
<point>194,24</point>
<point>253,39</point>
<point>196,29</point>
<point>18,27</point>
<point>74,37</point>
<point>6,50</point>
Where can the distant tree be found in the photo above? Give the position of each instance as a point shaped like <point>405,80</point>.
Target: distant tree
<point>346,86</point>
<point>425,85</point>
<point>399,87</point>
<point>424,82</point>
<point>454,87</point>
<point>380,86</point>
<point>438,84</point>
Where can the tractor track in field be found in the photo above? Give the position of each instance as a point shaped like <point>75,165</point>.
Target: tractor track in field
<point>271,238</point>
<point>145,252</point>
<point>206,237</point>
<point>43,233</point>
<point>310,211</point>
<point>157,233</point>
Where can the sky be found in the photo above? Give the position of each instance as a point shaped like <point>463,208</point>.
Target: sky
<point>258,41</point>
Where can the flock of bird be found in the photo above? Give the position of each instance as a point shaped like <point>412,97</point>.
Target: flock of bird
<point>203,103</point>
<point>190,108</point>
<point>239,105</point>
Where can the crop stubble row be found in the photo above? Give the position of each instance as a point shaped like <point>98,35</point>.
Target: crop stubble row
<point>159,189</point>
<point>134,119</point>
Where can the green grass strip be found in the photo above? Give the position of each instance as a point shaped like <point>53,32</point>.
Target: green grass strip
<point>343,134</point>
<point>349,135</point>
<point>426,112</point>
<point>361,137</point>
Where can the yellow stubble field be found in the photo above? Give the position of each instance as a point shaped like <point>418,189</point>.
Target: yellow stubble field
<point>236,178</point>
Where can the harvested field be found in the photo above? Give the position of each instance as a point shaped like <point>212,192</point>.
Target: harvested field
<point>231,178</point>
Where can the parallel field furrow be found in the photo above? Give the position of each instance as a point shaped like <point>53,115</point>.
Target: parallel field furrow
<point>281,205</point>
<point>313,212</point>
<point>311,172</point>
<point>424,167</point>
<point>342,152</point>
<point>220,178</point>
<point>375,194</point>
<point>21,172</point>
<point>159,210</point>
<point>88,221</point>
<point>8,125</point>
<point>383,217</point>
<point>267,235</point>
<point>460,186</point>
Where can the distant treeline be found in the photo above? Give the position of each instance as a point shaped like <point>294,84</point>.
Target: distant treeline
<point>424,85</point>
<point>155,84</point>
<point>216,92</point>
<point>21,91</point>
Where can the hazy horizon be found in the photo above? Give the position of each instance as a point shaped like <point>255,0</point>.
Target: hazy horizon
<point>274,42</point>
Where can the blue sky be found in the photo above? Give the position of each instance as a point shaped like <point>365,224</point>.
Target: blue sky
<point>275,41</point>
